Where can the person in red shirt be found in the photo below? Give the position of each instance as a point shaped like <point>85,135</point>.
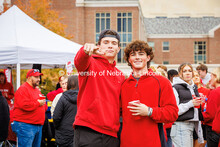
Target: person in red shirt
<point>98,110</point>
<point>29,111</point>
<point>204,92</point>
<point>212,106</point>
<point>201,88</point>
<point>63,84</point>
<point>51,95</point>
<point>8,91</point>
<point>216,123</point>
<point>146,98</point>
<point>6,88</point>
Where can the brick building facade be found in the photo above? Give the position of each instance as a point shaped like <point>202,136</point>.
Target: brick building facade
<point>175,40</point>
<point>86,18</point>
<point>178,40</point>
<point>194,40</point>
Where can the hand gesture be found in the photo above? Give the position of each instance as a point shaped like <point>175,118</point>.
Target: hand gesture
<point>138,109</point>
<point>197,101</point>
<point>90,49</point>
<point>42,102</point>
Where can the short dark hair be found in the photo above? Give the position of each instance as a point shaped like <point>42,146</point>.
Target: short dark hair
<point>109,32</point>
<point>171,73</point>
<point>72,82</point>
<point>138,45</point>
<point>202,67</point>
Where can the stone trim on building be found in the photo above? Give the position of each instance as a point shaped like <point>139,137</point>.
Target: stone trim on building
<point>107,3</point>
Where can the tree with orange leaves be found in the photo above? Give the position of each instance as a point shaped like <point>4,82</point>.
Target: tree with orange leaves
<point>3,6</point>
<point>40,10</point>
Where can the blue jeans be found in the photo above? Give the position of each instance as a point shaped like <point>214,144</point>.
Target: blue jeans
<point>28,135</point>
<point>169,140</point>
<point>182,134</point>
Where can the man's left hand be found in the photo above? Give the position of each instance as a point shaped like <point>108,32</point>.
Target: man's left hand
<point>138,109</point>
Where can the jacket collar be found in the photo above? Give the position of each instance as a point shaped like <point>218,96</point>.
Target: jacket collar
<point>104,60</point>
<point>148,74</point>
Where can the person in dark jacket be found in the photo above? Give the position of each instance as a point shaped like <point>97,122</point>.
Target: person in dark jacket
<point>64,114</point>
<point>4,118</point>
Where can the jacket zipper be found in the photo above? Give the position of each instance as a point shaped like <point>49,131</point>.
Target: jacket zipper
<point>136,88</point>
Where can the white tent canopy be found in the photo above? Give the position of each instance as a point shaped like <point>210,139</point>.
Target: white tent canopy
<point>24,41</point>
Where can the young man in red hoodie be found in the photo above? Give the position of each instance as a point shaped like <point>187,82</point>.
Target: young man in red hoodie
<point>29,111</point>
<point>6,88</point>
<point>147,99</point>
<point>98,110</point>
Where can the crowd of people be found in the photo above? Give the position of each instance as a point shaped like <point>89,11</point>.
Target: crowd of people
<point>159,107</point>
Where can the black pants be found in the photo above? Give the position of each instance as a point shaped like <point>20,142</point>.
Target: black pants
<point>212,137</point>
<point>86,137</point>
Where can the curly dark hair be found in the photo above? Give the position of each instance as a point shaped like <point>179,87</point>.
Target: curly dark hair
<point>138,45</point>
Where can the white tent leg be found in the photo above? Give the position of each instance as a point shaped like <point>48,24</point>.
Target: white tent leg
<point>18,75</point>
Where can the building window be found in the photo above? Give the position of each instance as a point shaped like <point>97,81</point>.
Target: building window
<point>166,62</point>
<point>102,22</point>
<point>124,28</point>
<point>199,52</point>
<point>151,44</point>
<point>166,46</point>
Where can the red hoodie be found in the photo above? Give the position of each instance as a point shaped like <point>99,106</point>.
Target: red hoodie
<point>216,121</point>
<point>99,91</point>
<point>142,131</point>
<point>7,89</point>
<point>212,106</point>
<point>26,107</point>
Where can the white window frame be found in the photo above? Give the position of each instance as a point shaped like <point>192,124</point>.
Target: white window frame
<point>105,17</point>
<point>165,46</point>
<point>198,49</point>
<point>152,44</point>
<point>126,33</point>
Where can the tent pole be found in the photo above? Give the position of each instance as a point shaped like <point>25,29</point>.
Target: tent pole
<point>18,75</point>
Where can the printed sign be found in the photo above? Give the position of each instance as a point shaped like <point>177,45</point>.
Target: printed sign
<point>69,68</point>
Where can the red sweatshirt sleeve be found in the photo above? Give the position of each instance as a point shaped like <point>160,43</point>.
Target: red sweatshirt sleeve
<point>51,95</point>
<point>82,60</point>
<point>211,109</point>
<point>25,102</point>
<point>168,110</point>
<point>216,122</point>
<point>11,92</point>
